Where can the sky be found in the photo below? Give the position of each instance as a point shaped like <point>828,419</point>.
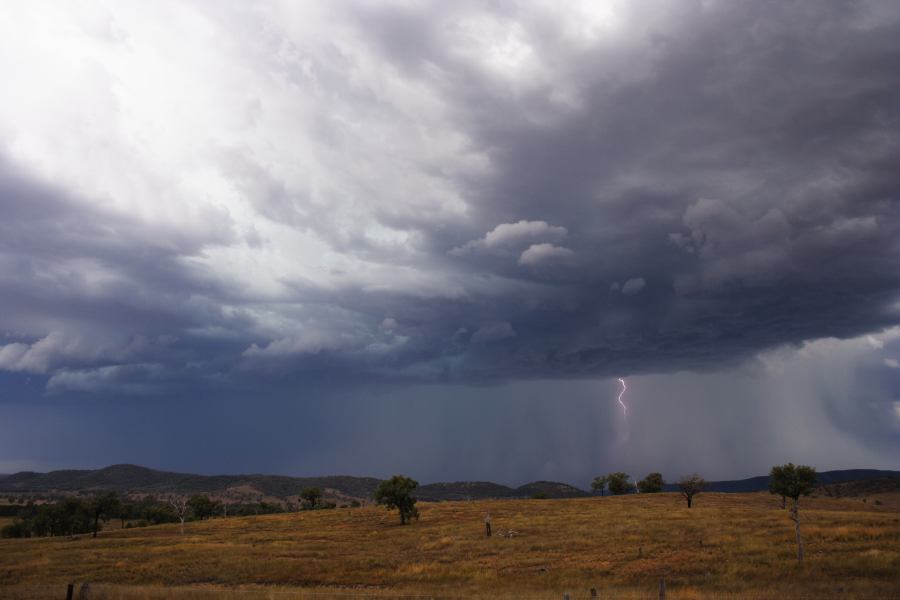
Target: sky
<point>368,238</point>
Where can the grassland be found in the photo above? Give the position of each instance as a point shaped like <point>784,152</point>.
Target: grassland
<point>728,545</point>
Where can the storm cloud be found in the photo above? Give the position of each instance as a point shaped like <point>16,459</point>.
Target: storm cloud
<point>206,197</point>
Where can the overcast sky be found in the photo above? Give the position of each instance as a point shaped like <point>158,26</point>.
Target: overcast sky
<point>428,237</point>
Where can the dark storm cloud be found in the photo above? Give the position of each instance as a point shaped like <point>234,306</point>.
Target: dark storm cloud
<point>736,158</point>
<point>686,187</point>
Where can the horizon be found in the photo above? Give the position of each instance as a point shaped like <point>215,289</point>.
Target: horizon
<point>514,485</point>
<point>432,238</point>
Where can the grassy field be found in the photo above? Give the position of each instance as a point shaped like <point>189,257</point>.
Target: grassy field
<point>728,545</point>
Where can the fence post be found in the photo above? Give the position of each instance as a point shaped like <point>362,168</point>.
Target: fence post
<point>70,591</point>
<point>662,588</point>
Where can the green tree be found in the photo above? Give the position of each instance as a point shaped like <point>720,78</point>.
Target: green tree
<point>618,483</point>
<point>790,481</point>
<point>690,486</point>
<point>599,484</point>
<point>651,484</point>
<point>202,506</point>
<point>396,492</point>
<point>311,497</point>
<point>104,507</point>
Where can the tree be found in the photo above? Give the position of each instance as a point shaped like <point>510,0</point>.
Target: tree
<point>790,481</point>
<point>690,486</point>
<point>104,507</point>
<point>202,506</point>
<point>618,483</point>
<point>777,474</point>
<point>599,483</point>
<point>651,484</point>
<point>396,492</point>
<point>180,506</point>
<point>311,497</point>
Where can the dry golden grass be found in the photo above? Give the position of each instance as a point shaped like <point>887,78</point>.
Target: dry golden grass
<point>728,546</point>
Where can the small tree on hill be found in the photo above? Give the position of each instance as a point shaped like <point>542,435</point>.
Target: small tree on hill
<point>792,481</point>
<point>104,507</point>
<point>599,484</point>
<point>651,484</point>
<point>396,492</point>
<point>311,497</point>
<point>618,483</point>
<point>690,486</point>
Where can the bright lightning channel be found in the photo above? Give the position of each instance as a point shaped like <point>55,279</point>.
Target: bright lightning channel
<point>622,393</point>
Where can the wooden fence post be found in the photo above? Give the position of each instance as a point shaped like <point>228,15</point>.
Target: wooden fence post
<point>70,591</point>
<point>662,589</point>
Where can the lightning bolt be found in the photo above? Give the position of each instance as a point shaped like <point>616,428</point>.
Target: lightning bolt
<point>622,393</point>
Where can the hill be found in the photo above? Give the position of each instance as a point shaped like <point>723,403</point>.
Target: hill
<point>736,546</point>
<point>761,482</point>
<point>133,479</point>
<point>136,479</point>
<point>462,490</point>
<point>864,487</point>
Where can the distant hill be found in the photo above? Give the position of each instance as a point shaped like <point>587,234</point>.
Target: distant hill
<point>133,479</point>
<point>761,483</point>
<point>136,479</point>
<point>462,490</point>
<point>550,489</point>
<point>864,487</point>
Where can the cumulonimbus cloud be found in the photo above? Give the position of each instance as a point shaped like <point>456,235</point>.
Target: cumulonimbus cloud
<point>445,183</point>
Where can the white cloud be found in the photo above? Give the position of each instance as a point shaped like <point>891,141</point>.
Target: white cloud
<point>537,254</point>
<point>57,348</point>
<point>633,286</point>
<point>136,379</point>
<point>312,342</point>
<point>875,342</point>
<point>508,234</point>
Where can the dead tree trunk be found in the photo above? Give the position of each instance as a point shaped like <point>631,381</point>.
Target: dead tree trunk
<point>181,508</point>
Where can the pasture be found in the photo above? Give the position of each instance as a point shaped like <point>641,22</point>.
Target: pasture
<point>727,545</point>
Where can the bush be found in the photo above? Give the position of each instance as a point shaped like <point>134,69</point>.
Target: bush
<point>16,529</point>
<point>651,484</point>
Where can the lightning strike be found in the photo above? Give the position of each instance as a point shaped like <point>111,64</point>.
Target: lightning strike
<point>622,393</point>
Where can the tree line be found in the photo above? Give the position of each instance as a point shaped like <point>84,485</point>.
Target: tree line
<point>619,483</point>
<point>75,516</point>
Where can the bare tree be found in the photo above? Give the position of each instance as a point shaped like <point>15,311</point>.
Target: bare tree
<point>180,505</point>
<point>690,486</point>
